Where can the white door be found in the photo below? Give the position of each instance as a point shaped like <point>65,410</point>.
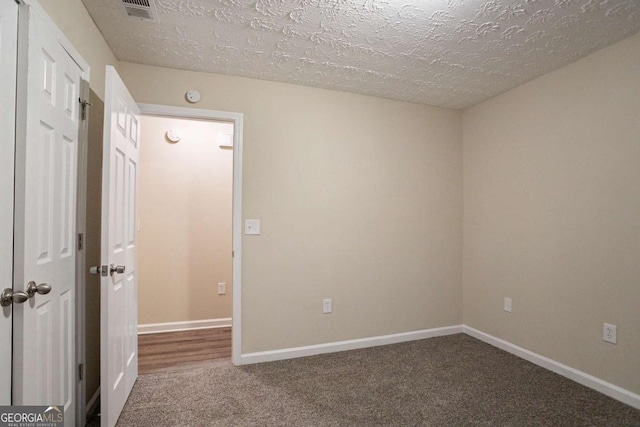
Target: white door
<point>8,53</point>
<point>119,250</point>
<point>44,337</point>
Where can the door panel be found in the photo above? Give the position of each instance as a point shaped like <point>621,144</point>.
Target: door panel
<point>44,369</point>
<point>8,55</point>
<point>119,317</point>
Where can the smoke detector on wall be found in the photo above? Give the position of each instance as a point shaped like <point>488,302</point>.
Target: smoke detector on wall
<point>140,9</point>
<point>174,135</point>
<point>193,96</point>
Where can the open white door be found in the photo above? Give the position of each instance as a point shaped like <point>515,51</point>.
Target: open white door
<point>8,55</point>
<point>44,370</point>
<point>119,250</point>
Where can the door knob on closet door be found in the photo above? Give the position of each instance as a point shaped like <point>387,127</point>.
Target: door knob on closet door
<point>7,297</point>
<point>41,289</point>
<point>116,269</point>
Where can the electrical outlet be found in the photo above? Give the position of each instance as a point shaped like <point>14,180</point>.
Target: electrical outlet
<point>222,288</point>
<point>610,333</point>
<point>326,305</point>
<point>507,304</point>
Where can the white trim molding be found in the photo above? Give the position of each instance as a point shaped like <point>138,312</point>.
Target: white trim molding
<point>608,389</point>
<point>156,328</point>
<point>312,350</point>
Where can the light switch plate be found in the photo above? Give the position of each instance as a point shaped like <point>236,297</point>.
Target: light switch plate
<point>252,226</point>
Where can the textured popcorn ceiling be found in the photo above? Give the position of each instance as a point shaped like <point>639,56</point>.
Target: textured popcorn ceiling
<point>449,53</point>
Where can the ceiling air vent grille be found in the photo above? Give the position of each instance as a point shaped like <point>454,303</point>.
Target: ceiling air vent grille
<point>141,9</point>
<point>139,3</point>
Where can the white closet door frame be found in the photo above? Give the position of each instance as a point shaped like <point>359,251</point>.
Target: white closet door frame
<point>8,65</point>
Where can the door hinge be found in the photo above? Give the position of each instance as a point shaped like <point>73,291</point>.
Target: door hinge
<point>233,254</point>
<point>80,241</point>
<point>84,105</point>
<point>81,372</point>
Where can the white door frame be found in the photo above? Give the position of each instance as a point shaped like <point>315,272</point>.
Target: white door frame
<point>8,70</point>
<point>236,119</point>
<point>21,120</point>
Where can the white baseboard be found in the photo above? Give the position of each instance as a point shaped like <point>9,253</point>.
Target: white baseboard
<point>608,389</point>
<point>156,328</point>
<point>312,350</point>
<point>611,390</point>
<point>93,403</point>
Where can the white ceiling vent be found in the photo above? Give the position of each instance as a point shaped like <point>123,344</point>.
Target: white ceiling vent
<point>140,9</point>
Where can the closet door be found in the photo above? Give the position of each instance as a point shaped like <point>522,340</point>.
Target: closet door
<point>44,371</point>
<point>8,53</point>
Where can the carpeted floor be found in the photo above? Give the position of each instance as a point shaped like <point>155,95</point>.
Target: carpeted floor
<point>448,381</point>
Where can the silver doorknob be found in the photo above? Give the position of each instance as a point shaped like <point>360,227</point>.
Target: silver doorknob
<point>41,289</point>
<point>116,269</point>
<point>7,297</point>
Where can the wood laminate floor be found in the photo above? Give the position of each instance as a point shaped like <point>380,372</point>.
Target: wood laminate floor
<point>171,351</point>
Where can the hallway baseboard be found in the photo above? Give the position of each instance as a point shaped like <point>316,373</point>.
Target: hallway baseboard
<point>156,328</point>
<point>332,347</point>
<point>604,387</point>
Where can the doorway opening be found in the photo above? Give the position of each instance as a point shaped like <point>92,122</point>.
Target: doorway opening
<point>92,302</point>
<point>185,281</point>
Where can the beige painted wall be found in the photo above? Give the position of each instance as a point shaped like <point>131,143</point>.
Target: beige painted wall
<point>360,201</point>
<point>551,211</point>
<point>185,212</point>
<point>74,21</point>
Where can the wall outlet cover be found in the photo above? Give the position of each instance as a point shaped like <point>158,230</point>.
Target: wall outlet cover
<point>508,304</point>
<point>222,288</point>
<point>326,305</point>
<point>610,333</point>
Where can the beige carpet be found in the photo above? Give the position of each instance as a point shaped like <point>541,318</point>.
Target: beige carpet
<point>448,381</point>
